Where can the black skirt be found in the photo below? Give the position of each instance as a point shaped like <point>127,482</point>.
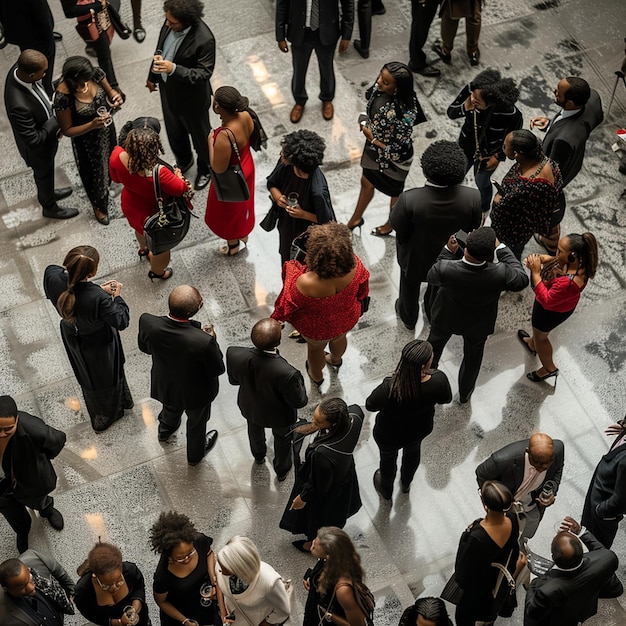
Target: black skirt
<point>545,320</point>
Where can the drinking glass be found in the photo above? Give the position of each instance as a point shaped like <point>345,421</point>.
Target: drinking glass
<point>205,592</point>
<point>292,199</point>
<point>131,614</point>
<point>103,112</point>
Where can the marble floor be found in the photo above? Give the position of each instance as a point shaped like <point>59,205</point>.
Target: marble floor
<point>113,485</point>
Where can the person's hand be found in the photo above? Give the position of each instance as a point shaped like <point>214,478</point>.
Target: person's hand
<point>282,46</point>
<point>297,504</point>
<point>306,583</point>
<point>367,131</point>
<point>453,244</point>
<point>178,172</point>
<point>161,65</point>
<point>614,429</point>
<point>533,262</point>
<point>151,86</point>
<point>209,329</point>
<point>99,122</point>
<point>344,44</point>
<point>296,211</point>
<point>116,98</point>
<point>539,122</point>
<point>282,202</point>
<point>468,105</point>
<point>571,525</point>
<point>112,287</point>
<point>492,163</point>
<point>548,502</point>
<point>497,198</point>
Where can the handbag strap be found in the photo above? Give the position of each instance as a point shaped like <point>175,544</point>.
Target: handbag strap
<point>157,186</point>
<point>242,612</point>
<point>232,141</point>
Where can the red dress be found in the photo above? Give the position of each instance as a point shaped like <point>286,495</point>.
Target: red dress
<point>233,220</point>
<point>321,318</point>
<point>138,199</point>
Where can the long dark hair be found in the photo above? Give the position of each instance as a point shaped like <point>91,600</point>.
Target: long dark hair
<point>586,247</point>
<point>335,410</point>
<point>80,262</point>
<point>406,382</point>
<point>76,70</point>
<point>405,97</point>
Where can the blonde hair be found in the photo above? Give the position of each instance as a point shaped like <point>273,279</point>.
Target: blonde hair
<point>241,558</point>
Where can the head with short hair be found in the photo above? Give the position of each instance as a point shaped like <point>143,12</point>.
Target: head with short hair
<point>496,496</point>
<point>144,122</point>
<point>481,243</point>
<point>444,163</point>
<point>76,72</point>
<point>170,530</point>
<point>184,302</point>
<point>11,568</point>
<point>266,334</point>
<point>102,559</point>
<point>144,147</point>
<point>229,99</point>
<point>303,149</point>
<point>567,550</point>
<point>577,91</point>
<point>433,610</point>
<point>188,12</point>
<point>8,407</point>
<point>540,451</point>
<point>241,558</point>
<point>81,263</point>
<point>329,251</point>
<point>32,62</point>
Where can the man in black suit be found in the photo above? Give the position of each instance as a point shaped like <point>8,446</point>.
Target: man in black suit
<point>26,447</point>
<point>270,392</point>
<point>186,363</point>
<point>181,70</point>
<point>605,504</point>
<point>567,134</point>
<point>466,303</point>
<point>568,593</point>
<point>422,15</point>
<point>36,590</point>
<point>525,467</point>
<point>36,129</point>
<point>313,25</point>
<point>424,218</point>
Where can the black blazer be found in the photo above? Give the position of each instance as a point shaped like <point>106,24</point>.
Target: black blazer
<point>270,389</point>
<point>607,491</point>
<point>291,18</point>
<point>188,89</point>
<point>507,466</point>
<point>566,139</point>
<point>35,134</point>
<point>186,361</point>
<point>27,458</point>
<point>561,598</point>
<point>424,218</point>
<point>467,301</point>
<point>28,24</point>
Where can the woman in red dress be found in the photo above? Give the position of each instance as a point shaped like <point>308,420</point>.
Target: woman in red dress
<point>132,165</point>
<point>232,221</point>
<point>323,300</point>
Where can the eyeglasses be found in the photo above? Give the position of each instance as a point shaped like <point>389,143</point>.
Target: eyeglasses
<point>184,559</point>
<point>115,585</point>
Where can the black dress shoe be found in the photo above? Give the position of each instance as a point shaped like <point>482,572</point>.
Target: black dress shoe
<point>383,493</point>
<point>90,51</point>
<point>427,70</point>
<point>446,57</point>
<point>57,36</point>
<point>397,307</point>
<point>55,519</point>
<point>364,52</point>
<point>202,180</point>
<point>22,542</point>
<point>299,545</point>
<point>210,441</point>
<point>60,213</point>
<point>63,192</point>
<point>378,8</point>
<point>474,58</point>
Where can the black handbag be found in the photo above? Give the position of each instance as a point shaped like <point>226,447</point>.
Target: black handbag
<point>297,252</point>
<point>269,222</point>
<point>231,185</point>
<point>168,226</point>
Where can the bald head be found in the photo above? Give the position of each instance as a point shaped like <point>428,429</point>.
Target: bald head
<point>567,550</point>
<point>31,65</point>
<point>266,334</point>
<point>184,301</point>
<point>540,451</point>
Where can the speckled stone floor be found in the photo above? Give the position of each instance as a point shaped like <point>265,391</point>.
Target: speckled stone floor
<point>114,484</point>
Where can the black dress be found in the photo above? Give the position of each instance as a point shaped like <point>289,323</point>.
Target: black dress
<point>404,426</point>
<point>477,577</point>
<point>87,604</point>
<point>184,593</point>
<point>318,604</point>
<point>94,347</point>
<point>92,149</point>
<point>326,481</point>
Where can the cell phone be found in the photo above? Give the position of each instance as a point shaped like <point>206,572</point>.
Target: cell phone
<point>363,119</point>
<point>461,238</point>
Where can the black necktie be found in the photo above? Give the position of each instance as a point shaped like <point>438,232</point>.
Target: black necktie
<point>39,91</point>
<point>315,14</point>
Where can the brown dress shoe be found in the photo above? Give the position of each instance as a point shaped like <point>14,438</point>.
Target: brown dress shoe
<point>296,113</point>
<point>328,110</point>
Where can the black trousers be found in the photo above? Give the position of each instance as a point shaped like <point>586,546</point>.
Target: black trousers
<point>44,179</point>
<point>282,446</point>
<point>169,422</point>
<point>411,455</point>
<point>102,47</point>
<point>15,512</point>
<point>364,15</point>
<point>422,16</point>
<point>473,350</point>
<point>180,128</point>
<point>603,530</point>
<point>301,55</point>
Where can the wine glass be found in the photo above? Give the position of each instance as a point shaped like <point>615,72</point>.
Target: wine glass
<point>103,112</point>
<point>131,614</point>
<point>205,594</point>
<point>292,199</point>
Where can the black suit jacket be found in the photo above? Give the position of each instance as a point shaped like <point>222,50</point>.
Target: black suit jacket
<point>270,389</point>
<point>507,466</point>
<point>291,19</point>
<point>35,134</point>
<point>28,24</point>
<point>561,598</point>
<point>424,218</point>
<point>607,491</point>
<point>467,301</point>
<point>186,361</point>
<point>188,89</point>
<point>26,460</point>
<point>565,140</point>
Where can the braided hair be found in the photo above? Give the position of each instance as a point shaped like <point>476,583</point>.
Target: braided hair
<point>406,382</point>
<point>143,146</point>
<point>81,263</point>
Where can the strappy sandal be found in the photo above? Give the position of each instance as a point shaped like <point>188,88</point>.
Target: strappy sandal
<point>227,250</point>
<point>152,275</point>
<point>143,252</point>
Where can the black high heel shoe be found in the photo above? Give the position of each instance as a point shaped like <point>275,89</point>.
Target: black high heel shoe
<point>152,275</point>
<point>318,383</point>
<point>538,379</point>
<point>522,335</point>
<point>361,222</point>
<point>335,365</point>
